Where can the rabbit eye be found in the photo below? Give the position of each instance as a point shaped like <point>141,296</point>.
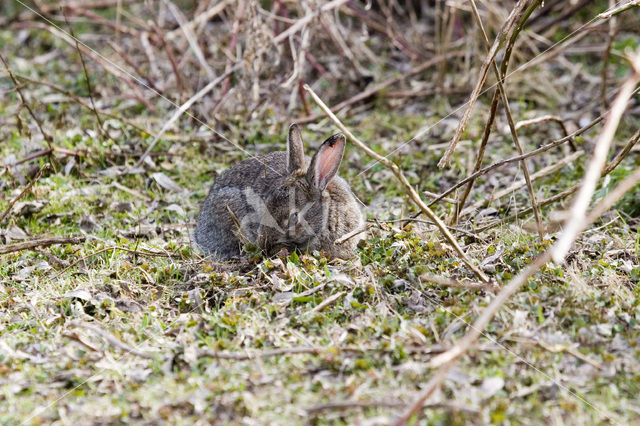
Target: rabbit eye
<point>293,219</point>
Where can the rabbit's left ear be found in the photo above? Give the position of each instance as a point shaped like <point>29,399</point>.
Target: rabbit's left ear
<point>295,150</point>
<point>326,161</point>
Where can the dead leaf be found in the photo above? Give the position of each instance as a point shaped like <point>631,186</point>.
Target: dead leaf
<point>166,182</point>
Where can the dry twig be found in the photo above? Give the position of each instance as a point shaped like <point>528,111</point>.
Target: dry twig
<point>41,242</point>
<point>500,76</point>
<point>24,191</point>
<point>577,214</point>
<point>366,94</point>
<point>113,341</point>
<point>413,194</point>
<point>446,360</point>
<point>506,28</point>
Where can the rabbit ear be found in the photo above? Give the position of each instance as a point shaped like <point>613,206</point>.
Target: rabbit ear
<point>295,150</point>
<point>326,161</point>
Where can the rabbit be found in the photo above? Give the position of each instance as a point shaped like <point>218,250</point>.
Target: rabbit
<point>281,200</point>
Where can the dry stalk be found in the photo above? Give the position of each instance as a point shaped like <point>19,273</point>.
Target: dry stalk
<point>326,302</point>
<point>199,20</point>
<point>41,242</point>
<point>450,282</point>
<point>501,163</point>
<point>577,215</point>
<point>300,23</point>
<point>191,38</point>
<point>113,340</point>
<point>611,35</point>
<point>480,155</point>
<point>346,236</point>
<point>564,194</point>
<point>622,153</point>
<point>413,194</point>
<point>382,85</point>
<point>519,184</point>
<point>560,196</point>
<point>24,191</point>
<point>500,75</point>
<point>446,360</point>
<point>625,6</point>
<point>542,119</point>
<point>506,28</point>
<point>47,137</point>
<point>101,128</point>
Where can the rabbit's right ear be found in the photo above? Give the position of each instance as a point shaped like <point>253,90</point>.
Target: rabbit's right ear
<point>325,163</point>
<point>295,150</point>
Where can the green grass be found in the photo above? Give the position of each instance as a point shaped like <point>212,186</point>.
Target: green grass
<point>564,349</point>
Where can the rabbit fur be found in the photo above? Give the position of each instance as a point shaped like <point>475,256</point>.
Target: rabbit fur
<point>281,200</point>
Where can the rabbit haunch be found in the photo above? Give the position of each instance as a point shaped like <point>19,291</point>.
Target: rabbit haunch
<point>281,200</point>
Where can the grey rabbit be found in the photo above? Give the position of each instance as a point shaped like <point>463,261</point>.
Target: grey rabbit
<point>281,200</point>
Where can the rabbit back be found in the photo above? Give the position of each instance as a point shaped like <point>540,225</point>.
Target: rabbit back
<point>240,190</point>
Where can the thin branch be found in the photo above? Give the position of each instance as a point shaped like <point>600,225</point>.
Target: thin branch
<point>366,94</point>
<point>506,28</point>
<point>41,242</point>
<point>623,7</point>
<point>46,136</point>
<point>519,184</point>
<point>596,165</point>
<point>111,339</point>
<point>450,282</point>
<point>101,128</point>
<point>413,194</point>
<point>326,302</point>
<point>542,119</point>
<point>447,359</point>
<point>501,163</point>
<point>564,194</point>
<point>24,191</point>
<point>500,75</point>
<point>560,196</point>
<point>346,236</point>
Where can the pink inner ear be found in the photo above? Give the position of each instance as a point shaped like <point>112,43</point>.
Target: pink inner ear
<point>329,161</point>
